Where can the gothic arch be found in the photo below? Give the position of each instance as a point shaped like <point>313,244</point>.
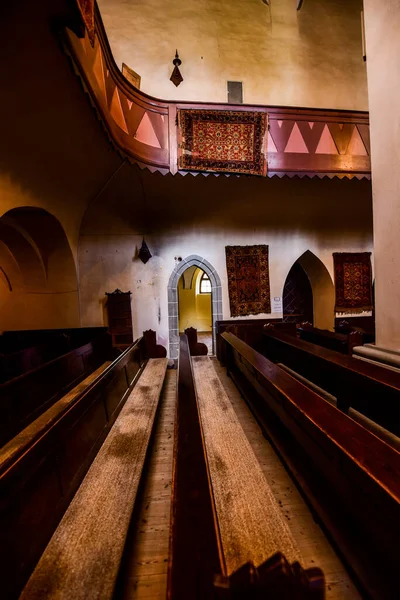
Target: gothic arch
<point>216,296</point>
<point>322,287</point>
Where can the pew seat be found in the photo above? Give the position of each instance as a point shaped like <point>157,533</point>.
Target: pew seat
<point>83,556</point>
<point>349,476</point>
<point>251,524</point>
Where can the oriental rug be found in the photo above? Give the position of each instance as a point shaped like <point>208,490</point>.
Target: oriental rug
<point>86,8</point>
<point>248,280</point>
<point>223,141</point>
<point>353,281</point>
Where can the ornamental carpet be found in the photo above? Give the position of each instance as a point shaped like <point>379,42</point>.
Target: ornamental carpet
<point>223,141</point>
<point>248,280</point>
<point>86,8</point>
<point>353,281</point>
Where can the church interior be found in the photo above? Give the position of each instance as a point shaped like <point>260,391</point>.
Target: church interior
<point>199,330</point>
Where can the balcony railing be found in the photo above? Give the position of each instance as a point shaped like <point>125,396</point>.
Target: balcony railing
<point>301,141</point>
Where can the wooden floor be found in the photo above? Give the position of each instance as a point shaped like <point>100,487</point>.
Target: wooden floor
<point>205,337</point>
<point>145,572</point>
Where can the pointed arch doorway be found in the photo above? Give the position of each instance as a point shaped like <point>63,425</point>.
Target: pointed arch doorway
<point>297,296</point>
<point>173,307</point>
<point>309,293</point>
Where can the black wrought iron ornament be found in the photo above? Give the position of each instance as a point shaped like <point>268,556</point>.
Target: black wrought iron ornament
<point>144,253</point>
<point>176,76</point>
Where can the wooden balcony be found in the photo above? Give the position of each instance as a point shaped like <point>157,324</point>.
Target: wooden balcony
<point>301,141</point>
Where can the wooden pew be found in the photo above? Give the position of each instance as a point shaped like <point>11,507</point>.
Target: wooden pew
<point>196,348</point>
<point>350,477</point>
<point>198,568</point>
<point>152,349</point>
<point>43,467</point>
<point>14,341</point>
<point>366,325</point>
<point>370,389</point>
<point>249,330</point>
<point>339,342</point>
<point>22,399</point>
<point>83,557</point>
<point>195,555</point>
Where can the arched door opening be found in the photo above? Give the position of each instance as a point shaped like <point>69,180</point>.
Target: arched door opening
<point>208,278</point>
<point>311,286</point>
<point>297,297</point>
<point>194,304</point>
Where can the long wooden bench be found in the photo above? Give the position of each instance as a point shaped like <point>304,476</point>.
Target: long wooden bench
<point>83,556</point>
<point>22,399</point>
<point>42,468</point>
<point>249,330</point>
<point>373,427</point>
<point>366,325</point>
<point>23,351</point>
<point>370,389</point>
<point>217,533</point>
<point>350,477</point>
<point>339,342</point>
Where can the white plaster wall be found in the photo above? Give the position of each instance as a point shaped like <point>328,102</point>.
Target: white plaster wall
<point>108,262</point>
<point>382,22</point>
<point>311,57</point>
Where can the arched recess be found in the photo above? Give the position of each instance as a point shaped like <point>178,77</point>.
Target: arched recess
<point>323,289</point>
<point>297,297</point>
<point>39,284</point>
<point>173,315</point>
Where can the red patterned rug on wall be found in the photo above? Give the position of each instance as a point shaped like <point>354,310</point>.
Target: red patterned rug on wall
<point>223,141</point>
<point>248,280</point>
<point>86,8</point>
<point>353,281</point>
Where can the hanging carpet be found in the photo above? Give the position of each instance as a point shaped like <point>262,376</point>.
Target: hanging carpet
<point>223,141</point>
<point>248,280</point>
<point>353,281</point>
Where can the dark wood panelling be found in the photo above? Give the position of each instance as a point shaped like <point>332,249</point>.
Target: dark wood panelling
<point>350,477</point>
<point>370,389</point>
<point>38,479</point>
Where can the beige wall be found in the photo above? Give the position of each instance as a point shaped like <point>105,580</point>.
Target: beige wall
<point>194,308</point>
<point>290,215</point>
<point>382,21</point>
<point>310,57</point>
<point>54,155</point>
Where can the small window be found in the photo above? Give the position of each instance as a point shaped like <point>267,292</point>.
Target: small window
<point>235,92</point>
<point>205,284</point>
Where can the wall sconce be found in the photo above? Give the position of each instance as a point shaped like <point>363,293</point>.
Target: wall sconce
<point>144,253</point>
<point>176,76</point>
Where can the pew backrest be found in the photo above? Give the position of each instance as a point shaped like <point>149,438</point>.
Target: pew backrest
<point>339,342</point>
<point>362,471</point>
<point>22,399</point>
<point>370,389</point>
<point>38,480</point>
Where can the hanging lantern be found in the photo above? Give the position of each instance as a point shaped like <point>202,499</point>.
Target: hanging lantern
<point>144,252</point>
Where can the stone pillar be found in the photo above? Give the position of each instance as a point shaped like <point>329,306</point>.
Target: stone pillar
<point>382,28</point>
